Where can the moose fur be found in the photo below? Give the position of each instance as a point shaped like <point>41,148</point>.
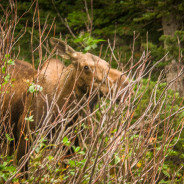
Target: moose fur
<point>13,101</point>
<point>65,85</point>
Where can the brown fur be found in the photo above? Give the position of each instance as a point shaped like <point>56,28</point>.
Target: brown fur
<point>13,102</point>
<point>65,85</point>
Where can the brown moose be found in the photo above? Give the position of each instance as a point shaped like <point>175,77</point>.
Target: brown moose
<point>64,86</point>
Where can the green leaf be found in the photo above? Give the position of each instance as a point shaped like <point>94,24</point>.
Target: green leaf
<point>35,88</point>
<point>76,149</point>
<point>50,157</point>
<point>106,139</point>
<point>11,169</point>
<point>87,48</point>
<point>30,118</point>
<point>3,69</point>
<point>72,173</point>
<point>66,141</point>
<point>117,159</point>
<point>163,182</point>
<point>72,163</point>
<point>7,77</point>
<point>7,56</point>
<point>9,138</point>
<point>81,152</point>
<point>115,130</point>
<point>11,62</point>
<point>166,173</point>
<point>31,89</point>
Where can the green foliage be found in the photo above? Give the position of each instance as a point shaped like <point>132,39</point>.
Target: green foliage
<point>156,52</point>
<point>77,19</point>
<point>56,173</point>
<point>30,119</point>
<point>6,62</point>
<point>9,138</point>
<point>174,44</point>
<point>7,168</point>
<point>88,41</point>
<point>66,142</point>
<point>147,91</point>
<point>173,150</point>
<point>77,150</point>
<point>34,88</point>
<point>36,164</point>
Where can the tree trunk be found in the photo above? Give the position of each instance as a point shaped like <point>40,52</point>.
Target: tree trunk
<point>170,25</point>
<point>172,70</point>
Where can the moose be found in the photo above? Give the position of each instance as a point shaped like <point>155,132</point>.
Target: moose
<point>61,84</point>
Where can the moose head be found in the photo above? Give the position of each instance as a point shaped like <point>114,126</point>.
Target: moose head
<point>91,72</point>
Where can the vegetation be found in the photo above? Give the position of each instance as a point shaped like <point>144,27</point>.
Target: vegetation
<point>139,140</point>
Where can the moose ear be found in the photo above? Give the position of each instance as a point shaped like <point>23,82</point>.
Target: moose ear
<point>64,50</point>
